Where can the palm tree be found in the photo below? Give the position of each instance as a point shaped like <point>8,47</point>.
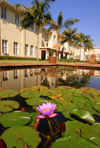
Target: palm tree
<point>87,44</point>
<point>59,25</point>
<point>38,13</point>
<point>69,36</point>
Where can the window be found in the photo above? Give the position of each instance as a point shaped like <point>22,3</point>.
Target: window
<point>4,46</point>
<point>5,76</point>
<point>15,48</point>
<point>4,13</point>
<point>26,50</point>
<point>32,51</point>
<point>26,73</point>
<point>31,72</point>
<point>36,51</point>
<point>32,27</point>
<point>46,37</point>
<point>15,74</point>
<point>54,37</point>
<point>16,19</point>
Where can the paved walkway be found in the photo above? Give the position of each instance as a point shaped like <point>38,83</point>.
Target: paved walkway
<point>23,64</point>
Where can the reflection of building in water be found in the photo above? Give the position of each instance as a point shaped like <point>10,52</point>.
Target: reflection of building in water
<point>18,79</point>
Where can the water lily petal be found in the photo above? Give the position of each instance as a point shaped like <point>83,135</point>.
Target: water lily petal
<point>53,115</point>
<point>40,116</point>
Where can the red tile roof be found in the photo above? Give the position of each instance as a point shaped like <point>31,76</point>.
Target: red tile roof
<point>55,46</point>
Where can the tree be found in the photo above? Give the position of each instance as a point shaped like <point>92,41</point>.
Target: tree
<point>38,13</point>
<point>87,44</point>
<point>59,25</point>
<point>69,36</point>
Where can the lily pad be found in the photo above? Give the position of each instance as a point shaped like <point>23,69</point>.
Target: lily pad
<point>89,107</point>
<point>68,96</point>
<point>38,87</point>
<point>18,135</point>
<point>72,142</point>
<point>33,119</point>
<point>73,128</point>
<point>35,102</point>
<point>97,107</point>
<point>49,92</point>
<point>68,109</point>
<point>15,118</point>
<point>21,90</point>
<point>95,140</point>
<point>8,93</point>
<point>84,99</point>
<point>6,106</point>
<point>84,114</point>
<point>28,93</point>
<point>89,131</point>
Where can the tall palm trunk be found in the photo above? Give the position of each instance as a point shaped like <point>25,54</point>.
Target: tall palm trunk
<point>37,43</point>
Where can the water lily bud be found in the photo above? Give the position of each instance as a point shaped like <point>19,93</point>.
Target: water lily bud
<point>85,108</point>
<point>36,123</point>
<point>23,109</point>
<point>62,127</point>
<point>2,144</point>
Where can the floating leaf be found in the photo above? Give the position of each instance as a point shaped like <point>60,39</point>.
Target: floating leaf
<point>38,87</point>
<point>33,118</point>
<point>8,93</point>
<point>84,99</point>
<point>77,93</point>
<point>35,102</point>
<point>49,92</point>
<point>68,96</point>
<point>97,107</point>
<point>89,107</point>
<point>29,93</point>
<point>21,90</point>
<point>68,109</point>
<point>18,135</point>
<point>15,118</point>
<point>73,128</point>
<point>95,140</point>
<point>6,106</point>
<point>89,131</point>
<point>72,142</point>
<point>83,114</point>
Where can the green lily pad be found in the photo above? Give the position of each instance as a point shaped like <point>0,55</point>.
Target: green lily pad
<point>15,118</point>
<point>6,106</point>
<point>33,119</point>
<point>84,114</point>
<point>68,109</point>
<point>18,135</point>
<point>35,102</point>
<point>62,102</point>
<point>49,92</point>
<point>73,128</point>
<point>21,90</point>
<point>67,90</point>
<point>97,107</point>
<point>95,140</point>
<point>8,93</point>
<point>89,131</point>
<point>29,93</point>
<point>84,99</point>
<point>81,103</point>
<point>68,96</point>
<point>77,93</point>
<point>91,99</point>
<point>72,142</point>
<point>89,107</point>
<point>38,87</point>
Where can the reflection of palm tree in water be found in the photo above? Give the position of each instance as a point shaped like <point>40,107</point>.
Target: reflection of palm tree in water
<point>75,81</point>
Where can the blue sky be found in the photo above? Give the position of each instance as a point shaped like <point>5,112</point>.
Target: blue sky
<point>88,11</point>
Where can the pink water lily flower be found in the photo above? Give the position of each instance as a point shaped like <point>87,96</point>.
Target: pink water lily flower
<point>47,110</point>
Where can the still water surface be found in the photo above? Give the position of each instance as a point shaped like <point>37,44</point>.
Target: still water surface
<point>49,76</point>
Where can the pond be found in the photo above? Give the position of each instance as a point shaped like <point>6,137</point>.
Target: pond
<point>49,76</point>
<point>49,107</point>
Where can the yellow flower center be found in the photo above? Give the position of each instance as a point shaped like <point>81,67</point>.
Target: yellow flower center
<point>44,110</point>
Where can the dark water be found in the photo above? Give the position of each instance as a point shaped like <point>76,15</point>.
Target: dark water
<point>49,76</point>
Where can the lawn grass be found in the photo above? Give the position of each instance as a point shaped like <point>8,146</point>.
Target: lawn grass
<point>14,61</point>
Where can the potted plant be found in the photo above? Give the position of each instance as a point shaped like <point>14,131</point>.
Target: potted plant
<point>52,59</point>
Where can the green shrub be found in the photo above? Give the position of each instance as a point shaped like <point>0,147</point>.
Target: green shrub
<point>70,60</point>
<point>7,57</point>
